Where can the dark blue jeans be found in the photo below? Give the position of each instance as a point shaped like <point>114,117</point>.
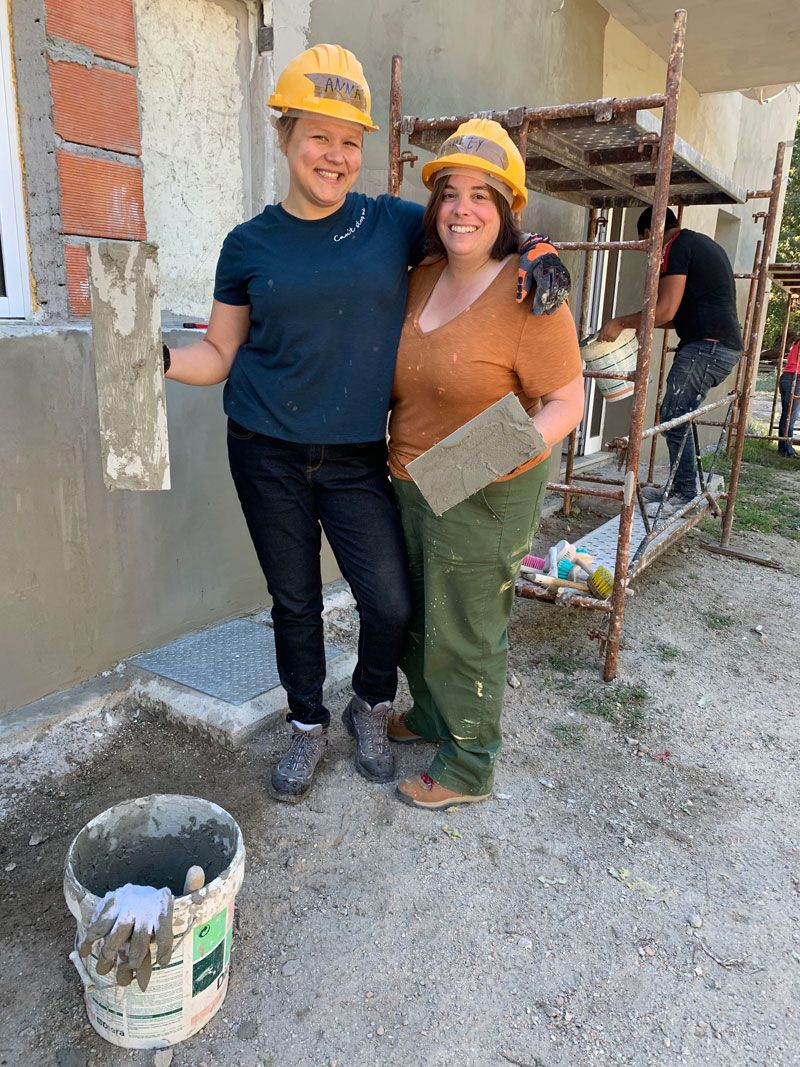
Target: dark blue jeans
<point>786,425</point>
<point>291,492</point>
<point>698,366</point>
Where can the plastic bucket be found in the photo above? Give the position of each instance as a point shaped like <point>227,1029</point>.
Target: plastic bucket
<point>153,841</point>
<point>617,356</point>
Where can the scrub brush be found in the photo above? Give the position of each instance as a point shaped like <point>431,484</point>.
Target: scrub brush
<point>555,555</point>
<point>560,583</point>
<point>532,563</point>
<point>599,578</point>
<point>569,570</point>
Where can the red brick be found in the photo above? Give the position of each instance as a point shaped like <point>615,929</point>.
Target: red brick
<point>95,107</point>
<point>106,27</point>
<point>100,197</point>
<point>80,305</point>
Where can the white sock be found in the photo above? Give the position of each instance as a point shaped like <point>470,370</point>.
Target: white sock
<point>305,725</point>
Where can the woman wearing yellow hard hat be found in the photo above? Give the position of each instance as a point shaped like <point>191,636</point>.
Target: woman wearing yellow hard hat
<point>465,344</point>
<point>308,307</point>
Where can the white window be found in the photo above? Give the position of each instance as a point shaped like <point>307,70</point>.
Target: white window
<point>15,297</point>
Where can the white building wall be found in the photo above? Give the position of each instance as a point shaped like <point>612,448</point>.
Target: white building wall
<point>195,60</point>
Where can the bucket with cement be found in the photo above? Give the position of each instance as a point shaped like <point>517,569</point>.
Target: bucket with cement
<point>619,357</point>
<point>153,841</point>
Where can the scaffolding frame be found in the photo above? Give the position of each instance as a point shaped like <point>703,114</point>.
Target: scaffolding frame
<point>623,175</point>
<point>787,277</point>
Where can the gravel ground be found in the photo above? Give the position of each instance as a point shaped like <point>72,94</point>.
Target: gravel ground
<point>630,895</point>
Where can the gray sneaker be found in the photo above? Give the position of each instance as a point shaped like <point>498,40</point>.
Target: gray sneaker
<point>292,775</point>
<point>654,494</point>
<point>668,507</point>
<point>374,758</point>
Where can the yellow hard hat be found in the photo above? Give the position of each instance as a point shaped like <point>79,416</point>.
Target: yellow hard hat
<point>482,144</point>
<point>325,80</point>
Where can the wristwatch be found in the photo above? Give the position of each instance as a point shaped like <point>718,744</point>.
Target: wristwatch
<point>167,358</point>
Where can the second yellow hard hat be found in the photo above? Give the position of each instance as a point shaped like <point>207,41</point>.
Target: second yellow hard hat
<point>483,145</point>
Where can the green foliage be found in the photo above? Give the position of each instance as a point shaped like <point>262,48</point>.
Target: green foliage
<point>564,662</point>
<point>570,736</point>
<point>668,652</point>
<point>622,705</point>
<point>765,381</point>
<point>715,621</point>
<point>766,502</point>
<point>788,252</point>
<point>765,454</point>
<point>776,311</point>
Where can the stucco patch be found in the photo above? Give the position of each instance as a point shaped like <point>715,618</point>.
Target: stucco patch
<point>193,93</point>
<point>126,328</point>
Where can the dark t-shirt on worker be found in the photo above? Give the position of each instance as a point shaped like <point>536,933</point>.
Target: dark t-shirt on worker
<point>327,299</point>
<point>708,308</point>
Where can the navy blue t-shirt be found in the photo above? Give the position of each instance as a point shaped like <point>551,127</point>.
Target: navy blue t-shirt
<point>327,299</point>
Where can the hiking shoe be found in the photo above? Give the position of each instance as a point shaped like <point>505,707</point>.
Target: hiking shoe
<point>668,507</point>
<point>398,732</point>
<point>652,494</point>
<point>374,759</point>
<point>422,791</point>
<point>292,775</point>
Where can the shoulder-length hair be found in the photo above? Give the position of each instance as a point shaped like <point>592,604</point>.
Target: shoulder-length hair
<point>508,239</point>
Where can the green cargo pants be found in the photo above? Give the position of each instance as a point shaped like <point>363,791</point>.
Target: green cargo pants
<point>463,566</point>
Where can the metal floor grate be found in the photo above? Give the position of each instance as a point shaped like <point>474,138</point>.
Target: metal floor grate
<point>602,542</point>
<point>234,661</point>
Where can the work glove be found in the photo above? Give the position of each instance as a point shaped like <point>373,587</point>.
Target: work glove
<point>126,920</point>
<point>540,267</point>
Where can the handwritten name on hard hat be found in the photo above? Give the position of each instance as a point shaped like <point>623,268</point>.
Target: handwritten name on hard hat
<point>334,87</point>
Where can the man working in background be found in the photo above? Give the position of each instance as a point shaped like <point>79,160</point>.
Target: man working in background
<point>697,297</point>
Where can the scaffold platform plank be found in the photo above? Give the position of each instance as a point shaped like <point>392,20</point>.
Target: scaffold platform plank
<point>787,276</point>
<point>604,160</point>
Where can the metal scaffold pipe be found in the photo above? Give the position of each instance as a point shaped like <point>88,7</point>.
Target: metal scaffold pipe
<point>780,361</point>
<point>662,182</point>
<point>755,334</point>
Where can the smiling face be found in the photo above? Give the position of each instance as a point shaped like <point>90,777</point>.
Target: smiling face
<point>324,157</point>
<point>468,220</point>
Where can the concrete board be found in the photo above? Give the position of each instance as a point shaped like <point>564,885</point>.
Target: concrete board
<point>476,454</point>
<point>126,327</point>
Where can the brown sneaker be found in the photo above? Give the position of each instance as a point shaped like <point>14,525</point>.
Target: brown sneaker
<point>398,731</point>
<point>422,792</point>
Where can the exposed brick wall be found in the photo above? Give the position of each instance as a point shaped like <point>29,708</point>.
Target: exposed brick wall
<point>100,198</point>
<point>106,27</point>
<point>95,107</point>
<point>96,115</point>
<point>78,280</point>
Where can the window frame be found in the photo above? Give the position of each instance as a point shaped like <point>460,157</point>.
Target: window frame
<point>16,304</point>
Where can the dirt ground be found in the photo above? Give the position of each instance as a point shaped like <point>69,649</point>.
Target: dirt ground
<point>630,895</point>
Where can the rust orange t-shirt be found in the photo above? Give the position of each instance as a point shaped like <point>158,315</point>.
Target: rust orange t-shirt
<point>447,376</point>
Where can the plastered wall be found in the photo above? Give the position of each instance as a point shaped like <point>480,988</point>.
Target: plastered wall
<point>196,58</point>
<point>90,576</point>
